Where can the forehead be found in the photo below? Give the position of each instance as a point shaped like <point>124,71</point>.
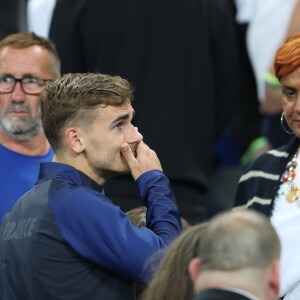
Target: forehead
<point>292,79</point>
<point>109,113</point>
<point>31,60</point>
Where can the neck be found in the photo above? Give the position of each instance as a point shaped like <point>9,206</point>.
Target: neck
<point>211,280</point>
<point>35,147</point>
<point>80,163</point>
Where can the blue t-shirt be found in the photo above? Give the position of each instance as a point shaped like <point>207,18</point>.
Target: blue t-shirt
<point>18,174</point>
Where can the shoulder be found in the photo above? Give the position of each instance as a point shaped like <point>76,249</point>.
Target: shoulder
<point>258,185</point>
<point>269,160</point>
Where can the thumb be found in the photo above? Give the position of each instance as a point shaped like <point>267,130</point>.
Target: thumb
<point>127,153</point>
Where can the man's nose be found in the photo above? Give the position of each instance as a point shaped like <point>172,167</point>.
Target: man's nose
<point>134,136</point>
<point>18,94</point>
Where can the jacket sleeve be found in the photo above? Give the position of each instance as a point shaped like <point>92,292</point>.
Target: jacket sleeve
<point>102,233</point>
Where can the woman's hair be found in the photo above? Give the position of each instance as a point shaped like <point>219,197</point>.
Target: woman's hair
<point>171,279</point>
<point>287,58</point>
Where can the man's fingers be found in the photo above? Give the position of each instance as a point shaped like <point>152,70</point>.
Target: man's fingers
<point>127,153</point>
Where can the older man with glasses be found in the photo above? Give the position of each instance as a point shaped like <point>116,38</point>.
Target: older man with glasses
<point>27,63</point>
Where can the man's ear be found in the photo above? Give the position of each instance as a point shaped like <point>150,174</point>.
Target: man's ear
<point>275,278</point>
<point>193,268</point>
<point>74,139</point>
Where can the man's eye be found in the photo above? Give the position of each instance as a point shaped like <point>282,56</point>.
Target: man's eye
<point>6,79</point>
<point>30,80</point>
<point>119,126</point>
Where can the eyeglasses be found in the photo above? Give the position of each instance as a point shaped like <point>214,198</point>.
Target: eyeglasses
<point>30,85</point>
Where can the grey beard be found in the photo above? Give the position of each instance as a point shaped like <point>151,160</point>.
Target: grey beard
<point>24,133</point>
<point>22,130</point>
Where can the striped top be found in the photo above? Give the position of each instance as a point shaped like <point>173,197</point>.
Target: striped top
<point>259,184</point>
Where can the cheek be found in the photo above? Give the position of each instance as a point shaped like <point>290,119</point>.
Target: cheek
<point>288,113</point>
<point>108,150</point>
<point>95,145</point>
<point>35,106</point>
<point>111,156</point>
<point>4,100</point>
<point>4,103</point>
<point>288,107</point>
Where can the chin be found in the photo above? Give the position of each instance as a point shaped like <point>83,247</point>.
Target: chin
<point>126,170</point>
<point>296,130</point>
<point>122,171</point>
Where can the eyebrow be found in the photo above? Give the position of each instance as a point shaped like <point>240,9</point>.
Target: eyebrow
<point>26,75</point>
<point>122,118</point>
<point>285,86</point>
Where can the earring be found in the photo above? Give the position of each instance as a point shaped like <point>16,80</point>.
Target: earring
<point>283,126</point>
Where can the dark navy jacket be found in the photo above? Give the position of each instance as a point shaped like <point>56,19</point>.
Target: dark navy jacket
<point>221,294</point>
<point>65,240</point>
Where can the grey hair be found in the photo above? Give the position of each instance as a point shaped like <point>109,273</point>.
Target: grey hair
<point>239,239</point>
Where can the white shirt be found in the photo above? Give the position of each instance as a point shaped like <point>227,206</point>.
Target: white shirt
<point>39,16</point>
<point>286,221</point>
<point>245,10</point>
<point>265,34</point>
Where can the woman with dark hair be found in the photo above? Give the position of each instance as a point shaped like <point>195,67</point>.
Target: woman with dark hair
<point>271,184</point>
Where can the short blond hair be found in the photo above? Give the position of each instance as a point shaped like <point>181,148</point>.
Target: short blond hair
<point>72,98</point>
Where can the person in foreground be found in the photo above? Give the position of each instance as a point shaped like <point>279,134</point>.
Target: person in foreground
<point>27,63</point>
<point>138,217</point>
<point>271,184</point>
<point>239,258</point>
<point>171,279</point>
<point>65,239</point>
